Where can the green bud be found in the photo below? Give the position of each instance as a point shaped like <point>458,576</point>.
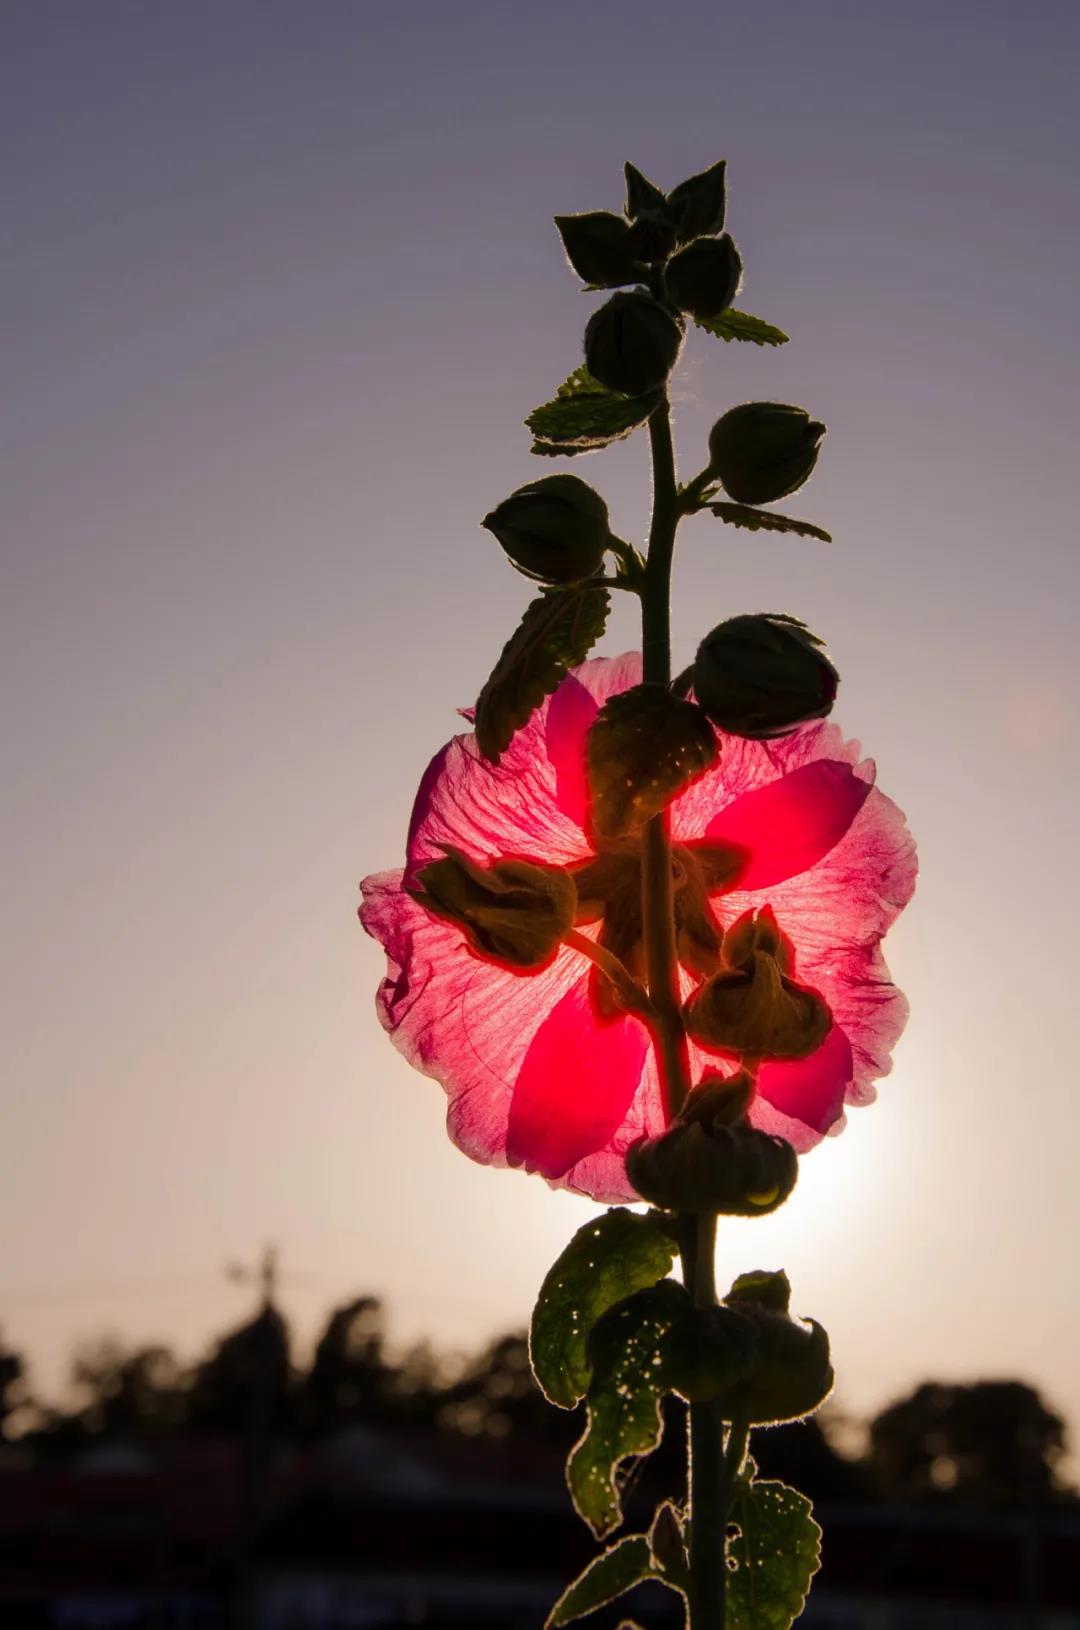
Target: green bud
<point>791,1374</point>
<point>760,675</point>
<point>599,248</point>
<point>511,911</point>
<point>712,1160</point>
<point>632,343</point>
<point>761,451</point>
<point>652,236</point>
<point>555,529</point>
<point>697,205</point>
<point>641,193</point>
<point>751,1009</point>
<point>703,279</point>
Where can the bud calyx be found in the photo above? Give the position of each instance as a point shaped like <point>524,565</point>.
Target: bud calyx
<point>632,343</point>
<point>703,279</point>
<point>712,1160</point>
<point>751,1008</point>
<point>511,911</point>
<point>761,451</point>
<point>555,529</point>
<point>761,674</point>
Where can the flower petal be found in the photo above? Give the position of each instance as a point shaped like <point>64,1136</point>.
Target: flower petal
<point>470,1024</point>
<point>532,803</point>
<point>575,1085</point>
<point>810,1091</point>
<point>791,824</point>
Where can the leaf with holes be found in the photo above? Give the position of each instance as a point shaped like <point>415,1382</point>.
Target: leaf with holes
<point>644,747</point>
<point>765,520</point>
<point>638,1352</point>
<point>585,416</point>
<point>606,1261</point>
<point>557,632</point>
<point>774,1550</point>
<point>621,1567</point>
<point>740,325</point>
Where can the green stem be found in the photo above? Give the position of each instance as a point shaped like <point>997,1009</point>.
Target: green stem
<point>657,905</point>
<point>708,1480</point>
<point>709,1475</point>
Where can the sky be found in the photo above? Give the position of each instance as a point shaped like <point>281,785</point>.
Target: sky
<point>279,285</point>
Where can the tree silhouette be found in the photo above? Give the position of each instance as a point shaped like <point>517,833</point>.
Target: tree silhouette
<point>989,1444</point>
<point>13,1394</point>
<point>127,1393</point>
<point>248,1377</point>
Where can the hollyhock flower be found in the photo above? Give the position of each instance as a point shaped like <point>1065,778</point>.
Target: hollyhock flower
<point>543,1070</point>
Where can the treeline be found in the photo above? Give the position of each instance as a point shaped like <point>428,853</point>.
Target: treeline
<point>994,1445</point>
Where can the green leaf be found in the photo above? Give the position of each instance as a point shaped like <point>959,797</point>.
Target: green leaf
<point>558,630</point>
<point>585,415</point>
<point>740,325</point>
<point>643,749</point>
<point>667,1541</point>
<point>765,520</point>
<point>624,1565</point>
<point>606,1261</point>
<point>772,1557</point>
<point>638,1353</point>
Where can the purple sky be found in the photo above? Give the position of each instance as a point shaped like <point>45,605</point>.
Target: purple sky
<point>280,283</point>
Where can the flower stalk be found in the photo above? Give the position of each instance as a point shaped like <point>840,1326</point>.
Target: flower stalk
<point>657,903</point>
<point>708,1479</point>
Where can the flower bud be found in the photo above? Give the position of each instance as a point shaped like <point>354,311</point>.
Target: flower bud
<point>631,343</point>
<point>652,236</point>
<point>751,1009</point>
<point>712,1160</point>
<point>761,451</point>
<point>697,205</point>
<point>703,279</point>
<point>599,248</point>
<point>760,675</point>
<point>791,1374</point>
<point>555,529</point>
<point>511,911</point>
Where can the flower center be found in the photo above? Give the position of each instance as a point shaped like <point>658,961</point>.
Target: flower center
<point>609,892</point>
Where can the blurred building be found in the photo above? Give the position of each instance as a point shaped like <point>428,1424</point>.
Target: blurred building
<point>444,1532</point>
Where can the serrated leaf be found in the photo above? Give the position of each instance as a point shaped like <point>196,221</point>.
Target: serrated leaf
<point>638,1353</point>
<point>606,1261</point>
<point>621,1567</point>
<point>643,749</point>
<point>740,325</point>
<point>559,629</point>
<point>766,520</point>
<point>772,1558</point>
<point>584,415</point>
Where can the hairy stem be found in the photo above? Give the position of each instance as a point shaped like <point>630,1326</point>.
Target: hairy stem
<point>658,916</point>
<point>708,1479</point>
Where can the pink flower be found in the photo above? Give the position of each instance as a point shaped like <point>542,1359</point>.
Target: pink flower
<point>542,1074</point>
